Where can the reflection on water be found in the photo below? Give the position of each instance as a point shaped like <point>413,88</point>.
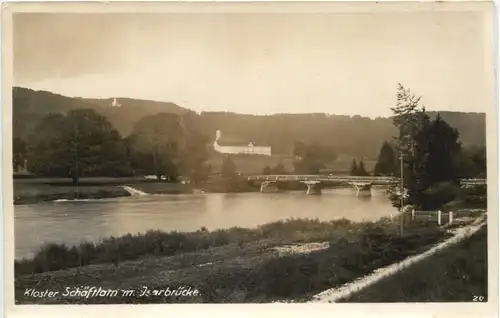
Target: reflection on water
<point>72,222</point>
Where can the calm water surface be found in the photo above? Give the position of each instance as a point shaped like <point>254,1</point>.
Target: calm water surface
<point>72,222</point>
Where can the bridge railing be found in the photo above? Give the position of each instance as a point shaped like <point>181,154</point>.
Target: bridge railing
<point>344,178</point>
<point>320,178</point>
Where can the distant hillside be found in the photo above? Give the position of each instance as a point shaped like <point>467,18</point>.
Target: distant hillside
<point>352,135</point>
<point>29,106</point>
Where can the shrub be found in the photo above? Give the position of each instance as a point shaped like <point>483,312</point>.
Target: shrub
<point>438,195</point>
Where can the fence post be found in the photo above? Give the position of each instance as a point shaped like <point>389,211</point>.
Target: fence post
<point>413,213</point>
<point>439,217</point>
<point>450,217</point>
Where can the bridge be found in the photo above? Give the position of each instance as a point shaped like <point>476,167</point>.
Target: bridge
<point>362,184</point>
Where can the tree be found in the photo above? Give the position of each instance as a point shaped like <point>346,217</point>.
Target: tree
<point>194,157</point>
<point>361,171</point>
<point>80,143</point>
<point>299,149</point>
<point>478,156</point>
<point>386,162</point>
<point>229,170</point>
<point>279,168</point>
<point>312,158</point>
<point>473,161</point>
<point>465,165</point>
<point>19,152</point>
<point>330,154</point>
<point>442,148</point>
<point>411,120</point>
<point>431,151</point>
<point>157,144</point>
<point>354,167</point>
<point>267,170</point>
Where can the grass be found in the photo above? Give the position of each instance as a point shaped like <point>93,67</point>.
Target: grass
<point>300,276</point>
<point>242,266</point>
<point>158,243</point>
<point>34,193</point>
<point>456,274</point>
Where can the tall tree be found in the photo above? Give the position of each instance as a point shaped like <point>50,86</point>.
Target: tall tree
<point>442,148</point>
<point>81,143</point>
<point>195,156</point>
<point>354,167</point>
<point>430,149</point>
<point>361,171</point>
<point>386,162</point>
<point>157,143</point>
<point>411,120</point>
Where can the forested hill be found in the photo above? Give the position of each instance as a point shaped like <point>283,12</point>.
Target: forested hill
<point>354,135</point>
<point>29,106</point>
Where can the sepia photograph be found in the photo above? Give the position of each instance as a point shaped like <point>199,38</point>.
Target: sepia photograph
<point>251,156</point>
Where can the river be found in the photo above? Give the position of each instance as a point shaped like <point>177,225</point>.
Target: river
<point>73,221</point>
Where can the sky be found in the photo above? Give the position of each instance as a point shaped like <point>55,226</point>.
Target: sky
<point>336,63</point>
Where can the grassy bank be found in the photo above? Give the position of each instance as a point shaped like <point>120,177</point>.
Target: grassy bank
<point>28,191</point>
<point>158,243</point>
<point>233,265</point>
<point>35,193</point>
<point>456,274</point>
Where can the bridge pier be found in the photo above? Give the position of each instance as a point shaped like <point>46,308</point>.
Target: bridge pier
<point>362,188</point>
<point>268,186</point>
<point>313,187</point>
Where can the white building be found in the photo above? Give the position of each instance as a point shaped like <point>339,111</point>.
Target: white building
<point>115,103</point>
<point>250,149</point>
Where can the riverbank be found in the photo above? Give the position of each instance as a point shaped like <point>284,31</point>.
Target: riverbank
<point>268,263</point>
<point>31,191</point>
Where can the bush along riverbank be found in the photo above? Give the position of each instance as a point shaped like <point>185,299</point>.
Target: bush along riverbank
<point>233,265</point>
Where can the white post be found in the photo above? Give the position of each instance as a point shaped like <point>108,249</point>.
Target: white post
<point>439,217</point>
<point>413,213</point>
<point>450,217</point>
